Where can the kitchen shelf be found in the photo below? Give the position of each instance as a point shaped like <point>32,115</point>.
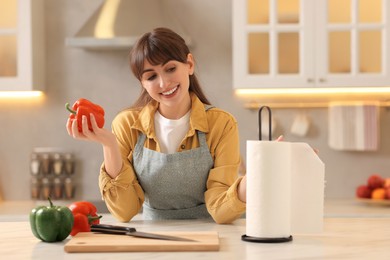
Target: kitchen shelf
<point>255,105</point>
<point>319,100</point>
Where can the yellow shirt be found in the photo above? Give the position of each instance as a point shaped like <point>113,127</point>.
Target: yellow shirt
<point>124,195</point>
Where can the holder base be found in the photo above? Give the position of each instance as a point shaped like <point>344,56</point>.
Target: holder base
<point>266,239</point>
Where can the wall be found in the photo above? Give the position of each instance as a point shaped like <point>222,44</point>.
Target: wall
<point>104,77</point>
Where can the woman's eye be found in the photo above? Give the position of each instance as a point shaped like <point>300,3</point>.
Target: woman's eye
<point>152,77</point>
<point>172,69</point>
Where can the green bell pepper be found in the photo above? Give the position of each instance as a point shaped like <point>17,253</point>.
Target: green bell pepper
<point>51,223</point>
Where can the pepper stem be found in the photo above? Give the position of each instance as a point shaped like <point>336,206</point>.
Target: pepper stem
<point>51,203</point>
<point>93,218</point>
<point>67,106</point>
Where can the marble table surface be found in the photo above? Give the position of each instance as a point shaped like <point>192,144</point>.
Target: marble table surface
<point>19,210</point>
<point>342,238</point>
<point>352,230</point>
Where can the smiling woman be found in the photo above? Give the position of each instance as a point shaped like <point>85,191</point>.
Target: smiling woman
<point>171,153</point>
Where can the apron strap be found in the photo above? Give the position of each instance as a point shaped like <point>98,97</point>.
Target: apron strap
<point>208,107</point>
<point>202,139</point>
<point>140,143</point>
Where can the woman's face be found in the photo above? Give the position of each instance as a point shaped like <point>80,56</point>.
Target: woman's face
<point>168,84</point>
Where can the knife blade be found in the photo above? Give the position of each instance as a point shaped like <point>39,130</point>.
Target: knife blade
<point>130,231</point>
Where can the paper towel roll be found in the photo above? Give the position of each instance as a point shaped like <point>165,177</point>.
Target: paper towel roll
<point>268,189</point>
<point>285,191</point>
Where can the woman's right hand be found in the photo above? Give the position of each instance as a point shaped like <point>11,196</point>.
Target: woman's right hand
<point>98,135</point>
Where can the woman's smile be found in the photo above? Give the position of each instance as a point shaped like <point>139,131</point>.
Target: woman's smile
<point>170,92</point>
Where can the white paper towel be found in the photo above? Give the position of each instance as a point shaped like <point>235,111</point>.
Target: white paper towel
<point>285,189</point>
<point>307,189</point>
<point>268,189</point>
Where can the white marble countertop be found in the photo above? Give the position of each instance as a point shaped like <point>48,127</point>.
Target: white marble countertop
<point>350,208</point>
<point>345,208</point>
<point>342,238</point>
<point>352,230</point>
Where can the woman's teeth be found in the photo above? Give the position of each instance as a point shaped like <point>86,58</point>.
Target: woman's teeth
<point>169,92</point>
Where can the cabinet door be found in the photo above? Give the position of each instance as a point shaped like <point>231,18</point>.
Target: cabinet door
<point>8,38</point>
<point>353,43</point>
<point>272,44</point>
<point>21,45</point>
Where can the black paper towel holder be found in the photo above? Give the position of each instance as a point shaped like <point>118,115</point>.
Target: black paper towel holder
<point>266,239</point>
<point>269,123</point>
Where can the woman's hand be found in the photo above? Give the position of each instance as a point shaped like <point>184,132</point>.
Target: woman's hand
<point>112,156</point>
<point>241,189</point>
<point>98,135</point>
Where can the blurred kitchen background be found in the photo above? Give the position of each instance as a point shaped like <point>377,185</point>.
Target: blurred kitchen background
<point>104,77</point>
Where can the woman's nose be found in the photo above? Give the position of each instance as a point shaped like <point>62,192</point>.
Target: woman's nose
<point>164,81</point>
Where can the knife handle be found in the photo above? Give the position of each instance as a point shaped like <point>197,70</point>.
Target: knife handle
<point>113,227</point>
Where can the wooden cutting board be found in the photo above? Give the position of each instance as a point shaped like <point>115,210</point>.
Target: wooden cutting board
<point>96,242</point>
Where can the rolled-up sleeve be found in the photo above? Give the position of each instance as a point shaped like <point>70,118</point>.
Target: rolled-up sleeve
<point>123,195</point>
<point>221,196</point>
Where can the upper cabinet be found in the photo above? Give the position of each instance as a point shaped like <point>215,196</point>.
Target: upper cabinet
<point>21,45</point>
<point>306,43</point>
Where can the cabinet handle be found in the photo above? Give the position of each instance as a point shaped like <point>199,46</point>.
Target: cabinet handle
<point>310,80</point>
<point>322,80</point>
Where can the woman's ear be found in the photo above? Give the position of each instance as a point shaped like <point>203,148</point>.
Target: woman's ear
<point>191,63</point>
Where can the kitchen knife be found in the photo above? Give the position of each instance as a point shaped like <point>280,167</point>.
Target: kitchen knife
<point>130,231</point>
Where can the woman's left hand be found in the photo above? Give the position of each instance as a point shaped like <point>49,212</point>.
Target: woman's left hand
<point>279,139</point>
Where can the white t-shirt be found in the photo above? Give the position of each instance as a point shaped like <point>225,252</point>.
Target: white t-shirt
<point>170,132</point>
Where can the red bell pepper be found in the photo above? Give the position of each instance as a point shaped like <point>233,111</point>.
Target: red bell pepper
<point>85,215</point>
<point>84,107</point>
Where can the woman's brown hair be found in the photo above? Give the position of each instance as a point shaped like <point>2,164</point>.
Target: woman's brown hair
<point>158,47</point>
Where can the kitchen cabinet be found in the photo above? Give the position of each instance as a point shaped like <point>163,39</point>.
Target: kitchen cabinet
<point>306,43</point>
<point>21,45</point>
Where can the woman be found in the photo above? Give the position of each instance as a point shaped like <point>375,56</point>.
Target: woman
<point>171,153</point>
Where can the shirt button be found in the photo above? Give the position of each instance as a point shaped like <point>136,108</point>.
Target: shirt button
<point>182,146</point>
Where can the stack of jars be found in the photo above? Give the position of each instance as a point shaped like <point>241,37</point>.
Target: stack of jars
<point>51,174</point>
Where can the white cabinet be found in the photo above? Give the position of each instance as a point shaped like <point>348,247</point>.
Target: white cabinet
<point>21,45</point>
<point>311,43</point>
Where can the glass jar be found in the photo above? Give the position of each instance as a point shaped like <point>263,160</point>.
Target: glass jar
<point>58,164</point>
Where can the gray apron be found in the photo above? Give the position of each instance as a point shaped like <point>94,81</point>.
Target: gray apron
<point>174,184</point>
